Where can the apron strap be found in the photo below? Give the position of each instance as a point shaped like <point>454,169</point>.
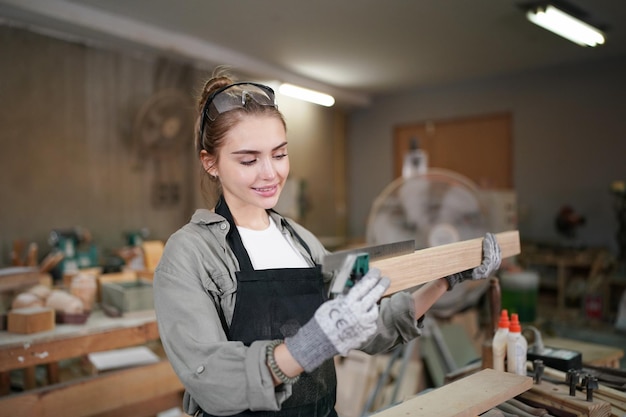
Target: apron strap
<point>296,235</point>
<point>233,237</point>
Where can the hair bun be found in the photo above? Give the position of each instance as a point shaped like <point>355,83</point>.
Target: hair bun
<point>213,84</point>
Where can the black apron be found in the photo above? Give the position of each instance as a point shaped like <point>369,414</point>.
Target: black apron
<point>274,304</point>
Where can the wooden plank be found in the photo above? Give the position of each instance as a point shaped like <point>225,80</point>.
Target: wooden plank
<point>40,352</point>
<point>95,395</point>
<point>14,279</point>
<point>419,267</point>
<point>148,408</point>
<point>465,397</point>
<point>152,252</point>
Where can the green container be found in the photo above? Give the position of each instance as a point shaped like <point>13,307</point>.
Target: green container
<point>519,294</point>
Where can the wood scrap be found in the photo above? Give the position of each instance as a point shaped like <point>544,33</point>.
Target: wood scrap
<point>618,408</point>
<point>30,320</point>
<point>26,300</point>
<point>62,301</point>
<point>40,290</point>
<point>50,261</point>
<point>16,278</point>
<point>84,286</point>
<point>556,398</point>
<point>152,252</point>
<point>525,407</point>
<point>616,398</point>
<point>424,265</point>
<point>31,255</point>
<point>519,411</point>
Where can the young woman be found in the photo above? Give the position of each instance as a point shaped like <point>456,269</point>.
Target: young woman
<point>239,294</point>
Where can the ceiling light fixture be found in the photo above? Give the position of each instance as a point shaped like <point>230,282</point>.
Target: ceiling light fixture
<point>565,25</point>
<point>306,95</point>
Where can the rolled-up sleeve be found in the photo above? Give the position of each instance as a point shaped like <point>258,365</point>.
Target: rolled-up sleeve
<point>220,377</point>
<point>396,324</point>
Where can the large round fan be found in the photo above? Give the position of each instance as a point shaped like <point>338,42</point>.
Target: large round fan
<point>435,207</point>
<point>164,123</point>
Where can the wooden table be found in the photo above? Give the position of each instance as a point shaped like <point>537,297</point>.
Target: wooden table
<point>564,260</point>
<point>133,391</point>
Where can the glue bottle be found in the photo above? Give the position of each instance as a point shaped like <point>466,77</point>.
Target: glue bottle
<point>516,348</point>
<point>499,343</point>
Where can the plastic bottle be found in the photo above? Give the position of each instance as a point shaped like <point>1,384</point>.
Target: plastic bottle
<point>516,348</point>
<point>415,160</point>
<point>499,343</point>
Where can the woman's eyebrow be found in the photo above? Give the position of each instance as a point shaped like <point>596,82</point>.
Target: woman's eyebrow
<point>254,152</point>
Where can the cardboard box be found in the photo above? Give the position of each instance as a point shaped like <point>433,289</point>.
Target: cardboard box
<point>30,320</point>
<point>128,296</point>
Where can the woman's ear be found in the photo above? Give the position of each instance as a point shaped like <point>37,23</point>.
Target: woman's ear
<point>208,163</point>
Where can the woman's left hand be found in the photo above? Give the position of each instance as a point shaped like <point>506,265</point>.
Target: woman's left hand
<point>492,257</point>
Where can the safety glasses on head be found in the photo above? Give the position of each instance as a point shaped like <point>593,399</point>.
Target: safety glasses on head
<point>235,96</point>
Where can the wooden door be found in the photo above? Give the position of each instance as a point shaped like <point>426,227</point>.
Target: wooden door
<point>479,148</point>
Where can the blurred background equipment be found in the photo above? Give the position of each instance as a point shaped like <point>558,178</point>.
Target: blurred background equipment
<point>436,206</point>
<point>618,190</point>
<point>78,250</point>
<point>132,253</point>
<point>568,221</point>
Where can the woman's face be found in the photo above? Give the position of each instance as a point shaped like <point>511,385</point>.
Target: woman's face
<point>253,163</point>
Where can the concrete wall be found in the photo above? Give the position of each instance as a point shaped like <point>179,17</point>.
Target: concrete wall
<point>68,154</point>
<point>569,142</point>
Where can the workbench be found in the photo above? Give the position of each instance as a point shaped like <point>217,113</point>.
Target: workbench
<point>137,391</point>
<point>592,354</point>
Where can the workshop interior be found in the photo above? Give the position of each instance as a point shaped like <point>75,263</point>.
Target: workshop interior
<point>431,124</point>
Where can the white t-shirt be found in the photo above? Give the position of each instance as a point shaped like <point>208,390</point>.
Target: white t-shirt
<point>269,248</point>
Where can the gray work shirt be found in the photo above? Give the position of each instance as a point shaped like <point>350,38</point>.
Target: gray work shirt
<point>195,291</point>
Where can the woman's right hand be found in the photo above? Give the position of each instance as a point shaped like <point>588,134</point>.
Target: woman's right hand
<point>340,324</point>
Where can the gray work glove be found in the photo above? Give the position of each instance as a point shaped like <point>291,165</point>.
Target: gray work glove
<point>340,324</point>
<point>492,256</point>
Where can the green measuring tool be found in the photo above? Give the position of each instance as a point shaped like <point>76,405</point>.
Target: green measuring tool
<point>350,266</point>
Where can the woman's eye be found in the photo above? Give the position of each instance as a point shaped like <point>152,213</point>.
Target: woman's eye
<point>280,156</point>
<point>248,163</point>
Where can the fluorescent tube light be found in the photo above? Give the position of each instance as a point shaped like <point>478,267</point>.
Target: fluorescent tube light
<point>306,95</point>
<point>561,23</point>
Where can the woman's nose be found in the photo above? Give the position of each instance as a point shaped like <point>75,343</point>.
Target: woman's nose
<point>267,169</point>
